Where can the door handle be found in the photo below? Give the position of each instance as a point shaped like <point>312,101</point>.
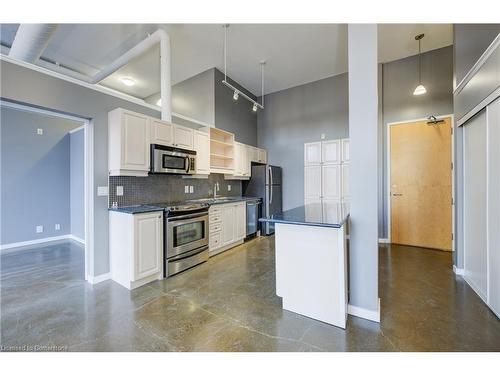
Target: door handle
<point>397,195</point>
<point>187,164</point>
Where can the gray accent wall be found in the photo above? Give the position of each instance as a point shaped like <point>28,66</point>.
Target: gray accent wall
<point>298,115</point>
<point>235,116</point>
<point>399,104</point>
<point>77,183</point>
<point>32,87</point>
<point>35,175</point>
<point>470,41</point>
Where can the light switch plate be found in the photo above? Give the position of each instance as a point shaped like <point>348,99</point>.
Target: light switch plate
<point>119,190</point>
<point>228,187</point>
<point>57,227</point>
<point>39,131</point>
<point>323,136</point>
<point>39,228</point>
<point>102,191</point>
<point>186,189</point>
<point>191,189</point>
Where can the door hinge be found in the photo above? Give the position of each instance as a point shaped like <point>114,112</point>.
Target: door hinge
<point>452,237</point>
<point>452,203</point>
<point>451,165</point>
<point>451,131</point>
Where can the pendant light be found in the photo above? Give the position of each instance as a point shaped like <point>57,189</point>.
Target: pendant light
<point>420,89</point>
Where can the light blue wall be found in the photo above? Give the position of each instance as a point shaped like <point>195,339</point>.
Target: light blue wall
<point>77,183</point>
<point>35,171</point>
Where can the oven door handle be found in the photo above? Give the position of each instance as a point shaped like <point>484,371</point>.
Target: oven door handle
<point>188,216</point>
<point>188,254</point>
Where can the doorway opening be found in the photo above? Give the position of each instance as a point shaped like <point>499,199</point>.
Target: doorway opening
<point>420,179</point>
<point>46,200</point>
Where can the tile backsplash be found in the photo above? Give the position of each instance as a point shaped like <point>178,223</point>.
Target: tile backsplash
<point>167,188</point>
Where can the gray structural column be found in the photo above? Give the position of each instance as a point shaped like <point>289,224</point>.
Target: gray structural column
<point>363,133</point>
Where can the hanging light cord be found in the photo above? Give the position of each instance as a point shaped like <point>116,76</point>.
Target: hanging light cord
<point>419,63</point>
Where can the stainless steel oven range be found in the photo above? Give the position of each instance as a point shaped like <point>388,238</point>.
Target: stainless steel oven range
<point>185,236</point>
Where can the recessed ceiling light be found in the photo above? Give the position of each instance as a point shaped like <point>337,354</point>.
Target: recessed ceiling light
<point>127,81</point>
<point>158,102</point>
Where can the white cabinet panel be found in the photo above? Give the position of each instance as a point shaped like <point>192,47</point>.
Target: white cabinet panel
<point>241,160</point>
<point>240,219</point>
<point>201,144</point>
<point>314,209</point>
<point>183,137</point>
<point>345,149</point>
<point>330,151</point>
<point>330,181</point>
<point>345,181</point>
<point>228,224</point>
<point>312,153</point>
<point>331,210</point>
<point>148,244</point>
<point>312,182</point>
<point>162,133</point>
<point>475,204</point>
<point>128,143</point>
<point>262,156</point>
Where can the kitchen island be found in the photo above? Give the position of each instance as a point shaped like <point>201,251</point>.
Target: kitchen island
<point>311,261</point>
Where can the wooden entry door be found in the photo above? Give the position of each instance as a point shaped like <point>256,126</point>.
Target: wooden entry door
<point>420,184</point>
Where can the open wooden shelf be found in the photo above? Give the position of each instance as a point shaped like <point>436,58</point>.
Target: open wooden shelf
<point>221,151</point>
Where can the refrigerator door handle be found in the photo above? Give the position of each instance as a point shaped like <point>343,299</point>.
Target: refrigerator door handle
<point>271,175</point>
<point>270,185</point>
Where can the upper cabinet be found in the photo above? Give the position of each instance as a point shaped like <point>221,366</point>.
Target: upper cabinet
<point>162,133</point>
<point>312,153</point>
<point>183,137</point>
<point>345,149</point>
<point>201,142</point>
<point>241,160</point>
<point>330,152</point>
<point>257,155</point>
<point>221,151</point>
<point>262,156</point>
<point>128,143</point>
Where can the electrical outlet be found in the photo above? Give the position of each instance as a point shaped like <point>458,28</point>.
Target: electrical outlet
<point>191,189</point>
<point>186,189</point>
<point>102,191</point>
<point>119,190</point>
<point>228,187</point>
<point>39,131</point>
<point>39,228</point>
<point>57,227</point>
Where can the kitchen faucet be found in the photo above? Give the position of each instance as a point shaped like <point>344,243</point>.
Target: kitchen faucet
<point>216,189</point>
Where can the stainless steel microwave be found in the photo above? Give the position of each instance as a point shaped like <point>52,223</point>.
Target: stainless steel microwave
<point>165,159</point>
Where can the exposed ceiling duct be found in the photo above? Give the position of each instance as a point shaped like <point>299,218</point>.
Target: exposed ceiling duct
<point>31,40</point>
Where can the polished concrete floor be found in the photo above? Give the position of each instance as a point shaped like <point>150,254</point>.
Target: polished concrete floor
<point>228,304</point>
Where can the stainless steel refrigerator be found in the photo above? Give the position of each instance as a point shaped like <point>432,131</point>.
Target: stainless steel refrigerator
<point>266,183</point>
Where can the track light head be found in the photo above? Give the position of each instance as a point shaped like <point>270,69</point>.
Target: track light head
<point>236,95</point>
<point>254,107</point>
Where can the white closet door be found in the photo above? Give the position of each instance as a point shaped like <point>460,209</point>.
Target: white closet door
<point>312,182</point>
<point>330,151</point>
<point>332,208</point>
<point>345,149</point>
<point>475,204</point>
<point>312,153</point>
<point>345,181</point>
<point>314,210</point>
<point>493,113</point>
<point>331,181</point>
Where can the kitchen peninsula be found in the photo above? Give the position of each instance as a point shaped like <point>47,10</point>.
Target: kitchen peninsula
<point>311,262</point>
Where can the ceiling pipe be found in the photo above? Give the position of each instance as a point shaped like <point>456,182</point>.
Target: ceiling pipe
<point>31,40</point>
<point>40,37</point>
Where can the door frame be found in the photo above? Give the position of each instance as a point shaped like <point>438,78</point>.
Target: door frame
<point>388,177</point>
<point>88,128</point>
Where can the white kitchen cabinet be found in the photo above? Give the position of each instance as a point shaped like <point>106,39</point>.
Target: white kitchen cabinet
<point>330,181</point>
<point>262,156</point>
<point>312,182</point>
<point>330,151</point>
<point>183,137</point>
<point>136,247</point>
<point>312,153</point>
<point>241,161</point>
<point>332,208</point>
<point>227,226</point>
<point>345,181</point>
<point>314,209</point>
<point>201,144</point>
<point>128,143</point>
<point>162,132</point>
<point>345,149</point>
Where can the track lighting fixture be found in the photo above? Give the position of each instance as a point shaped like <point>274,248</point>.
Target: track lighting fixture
<point>254,107</point>
<point>236,95</point>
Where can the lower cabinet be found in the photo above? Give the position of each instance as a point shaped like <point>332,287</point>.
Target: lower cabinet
<point>136,247</point>
<point>227,226</point>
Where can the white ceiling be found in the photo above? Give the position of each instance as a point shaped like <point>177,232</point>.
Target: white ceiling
<point>295,53</point>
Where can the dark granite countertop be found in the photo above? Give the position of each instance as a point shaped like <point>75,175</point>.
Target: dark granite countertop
<point>138,209</point>
<point>310,214</point>
<point>143,208</point>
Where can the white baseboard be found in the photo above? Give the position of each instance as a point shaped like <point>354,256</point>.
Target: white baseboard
<point>77,239</point>
<point>360,312</point>
<point>99,279</point>
<point>383,240</point>
<point>34,242</point>
<point>458,271</point>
